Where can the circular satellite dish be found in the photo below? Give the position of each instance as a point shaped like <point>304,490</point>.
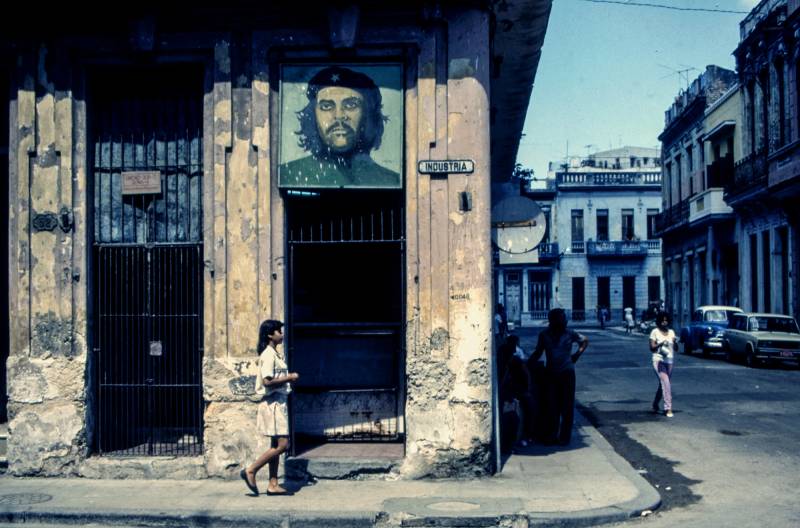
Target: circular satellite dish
<point>518,225</point>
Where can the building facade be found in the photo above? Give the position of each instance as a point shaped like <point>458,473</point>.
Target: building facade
<point>606,212</point>
<point>181,174</point>
<point>697,227</point>
<point>764,189</point>
<point>600,248</point>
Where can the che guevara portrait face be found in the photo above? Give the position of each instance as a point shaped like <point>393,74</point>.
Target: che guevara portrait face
<point>339,114</point>
<point>341,126</point>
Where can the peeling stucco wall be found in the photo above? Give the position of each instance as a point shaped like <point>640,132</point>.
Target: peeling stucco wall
<point>448,387</point>
<point>47,368</point>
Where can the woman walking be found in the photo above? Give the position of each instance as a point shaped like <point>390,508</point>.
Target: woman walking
<point>629,323</point>
<point>272,420</point>
<point>662,344</point>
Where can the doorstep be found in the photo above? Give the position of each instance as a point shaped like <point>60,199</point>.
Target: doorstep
<point>351,460</point>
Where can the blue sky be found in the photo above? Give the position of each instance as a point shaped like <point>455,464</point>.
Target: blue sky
<point>606,75</point>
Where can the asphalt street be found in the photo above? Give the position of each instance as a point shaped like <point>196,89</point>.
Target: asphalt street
<point>729,456</point>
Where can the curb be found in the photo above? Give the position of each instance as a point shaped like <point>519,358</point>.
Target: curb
<point>194,519</point>
<point>416,512</point>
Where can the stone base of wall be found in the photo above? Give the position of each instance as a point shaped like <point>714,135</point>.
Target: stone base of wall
<point>46,439</point>
<point>176,468</point>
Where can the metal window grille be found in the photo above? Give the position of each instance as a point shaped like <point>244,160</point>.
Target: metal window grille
<point>353,321</point>
<point>147,259</point>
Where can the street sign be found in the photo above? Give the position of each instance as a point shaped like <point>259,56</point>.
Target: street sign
<point>446,166</point>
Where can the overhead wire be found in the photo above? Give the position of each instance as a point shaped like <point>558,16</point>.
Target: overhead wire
<point>665,6</point>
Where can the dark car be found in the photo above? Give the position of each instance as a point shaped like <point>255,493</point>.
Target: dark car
<point>706,331</point>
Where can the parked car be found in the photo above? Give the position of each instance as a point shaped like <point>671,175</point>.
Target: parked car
<point>755,337</point>
<point>706,330</point>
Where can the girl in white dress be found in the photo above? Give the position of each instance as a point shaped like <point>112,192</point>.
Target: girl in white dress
<point>629,323</point>
<point>663,343</point>
<point>272,419</point>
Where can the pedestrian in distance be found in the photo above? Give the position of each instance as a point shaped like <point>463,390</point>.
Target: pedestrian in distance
<point>272,418</point>
<point>629,323</point>
<point>663,343</point>
<point>556,342</point>
<point>603,316</point>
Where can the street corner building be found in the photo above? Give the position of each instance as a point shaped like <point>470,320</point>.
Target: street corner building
<point>178,174</point>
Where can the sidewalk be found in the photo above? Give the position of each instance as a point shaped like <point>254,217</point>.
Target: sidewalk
<point>583,484</point>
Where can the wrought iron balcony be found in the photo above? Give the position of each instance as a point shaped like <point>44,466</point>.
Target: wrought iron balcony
<point>672,218</point>
<point>578,247</point>
<point>749,175</point>
<point>617,249</point>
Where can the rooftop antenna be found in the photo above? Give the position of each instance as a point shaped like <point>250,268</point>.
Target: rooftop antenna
<point>683,75</point>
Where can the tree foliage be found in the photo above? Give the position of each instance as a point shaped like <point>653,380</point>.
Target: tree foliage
<point>522,173</point>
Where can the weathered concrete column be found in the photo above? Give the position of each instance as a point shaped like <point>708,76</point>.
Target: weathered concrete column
<point>241,287</point>
<point>47,363</point>
<point>448,411</point>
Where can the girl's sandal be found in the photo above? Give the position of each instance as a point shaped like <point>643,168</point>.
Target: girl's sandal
<point>278,491</point>
<point>251,487</point>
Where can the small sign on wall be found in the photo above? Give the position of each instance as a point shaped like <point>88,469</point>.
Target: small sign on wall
<point>141,182</point>
<point>464,166</point>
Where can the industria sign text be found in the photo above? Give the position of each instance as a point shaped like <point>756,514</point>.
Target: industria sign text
<point>446,166</point>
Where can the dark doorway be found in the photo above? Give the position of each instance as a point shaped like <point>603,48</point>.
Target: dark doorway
<point>629,293</point>
<point>782,241</point>
<point>754,286</point>
<point>578,299</point>
<point>513,296</point>
<point>690,264</point>
<point>147,254</point>
<point>766,268</point>
<point>653,289</point>
<point>346,317</point>
<point>730,273</point>
<point>540,293</point>
<point>604,292</point>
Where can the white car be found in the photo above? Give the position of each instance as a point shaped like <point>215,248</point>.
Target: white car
<point>757,337</point>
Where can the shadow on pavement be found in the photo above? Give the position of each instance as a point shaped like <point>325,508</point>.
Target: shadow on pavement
<point>658,471</point>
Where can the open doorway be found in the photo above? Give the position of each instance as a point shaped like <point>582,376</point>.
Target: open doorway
<point>346,321</point>
<point>629,293</point>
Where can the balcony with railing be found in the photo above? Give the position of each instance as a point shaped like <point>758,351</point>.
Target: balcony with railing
<point>617,249</point>
<point>608,179</point>
<point>653,246</point>
<point>578,247</point>
<point>707,205</point>
<point>749,177</point>
<point>672,218</point>
<point>548,250</point>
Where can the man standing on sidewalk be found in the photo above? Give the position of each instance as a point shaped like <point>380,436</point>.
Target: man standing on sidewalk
<point>556,342</point>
